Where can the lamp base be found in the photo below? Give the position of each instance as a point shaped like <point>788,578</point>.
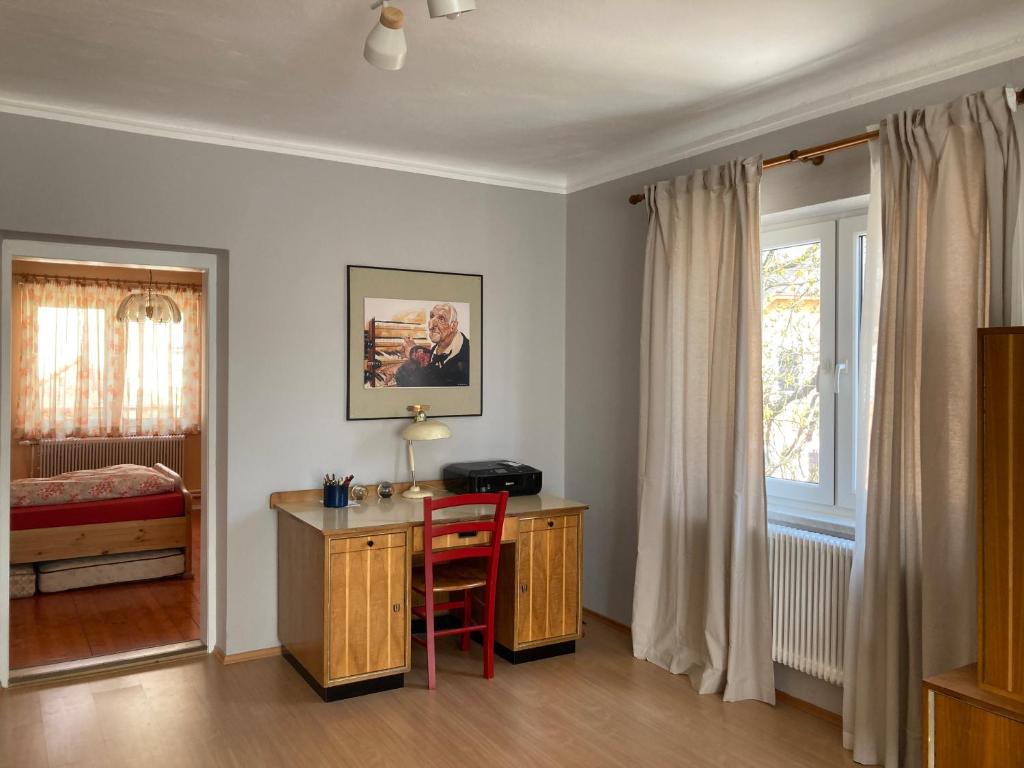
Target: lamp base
<point>415,492</point>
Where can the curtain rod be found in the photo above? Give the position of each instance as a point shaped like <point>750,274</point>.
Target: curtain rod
<point>813,155</point>
<point>33,277</point>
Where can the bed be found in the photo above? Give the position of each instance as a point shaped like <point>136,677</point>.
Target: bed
<point>113,510</point>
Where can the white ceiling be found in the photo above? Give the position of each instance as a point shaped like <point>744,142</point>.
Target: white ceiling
<point>534,93</point>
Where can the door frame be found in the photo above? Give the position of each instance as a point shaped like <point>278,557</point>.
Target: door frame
<point>18,245</point>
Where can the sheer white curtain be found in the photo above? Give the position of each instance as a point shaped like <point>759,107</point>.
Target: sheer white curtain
<point>81,373</point>
<point>701,602</point>
<point>945,196</point>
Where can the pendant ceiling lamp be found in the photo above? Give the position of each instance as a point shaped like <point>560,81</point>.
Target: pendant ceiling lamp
<point>451,9</point>
<point>385,45</point>
<point>140,306</point>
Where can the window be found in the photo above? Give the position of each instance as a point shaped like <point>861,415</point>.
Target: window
<point>82,373</point>
<point>811,276</point>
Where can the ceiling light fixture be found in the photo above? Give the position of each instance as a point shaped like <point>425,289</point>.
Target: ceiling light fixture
<point>140,306</point>
<point>385,45</point>
<point>451,9</point>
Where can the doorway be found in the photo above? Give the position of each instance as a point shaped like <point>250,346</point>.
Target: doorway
<point>113,562</point>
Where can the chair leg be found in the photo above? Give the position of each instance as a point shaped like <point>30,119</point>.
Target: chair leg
<point>467,618</point>
<point>431,671</point>
<point>489,642</point>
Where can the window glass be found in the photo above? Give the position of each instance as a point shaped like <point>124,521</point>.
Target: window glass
<point>791,359</point>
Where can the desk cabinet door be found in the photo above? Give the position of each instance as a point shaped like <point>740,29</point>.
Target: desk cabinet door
<point>368,615</point>
<point>549,585</point>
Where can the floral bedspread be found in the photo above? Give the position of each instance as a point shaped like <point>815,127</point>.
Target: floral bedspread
<point>118,482</point>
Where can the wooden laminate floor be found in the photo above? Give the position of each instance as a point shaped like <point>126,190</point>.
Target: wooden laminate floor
<point>599,707</point>
<point>83,623</point>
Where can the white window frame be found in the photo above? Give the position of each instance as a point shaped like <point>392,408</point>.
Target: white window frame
<point>823,491</point>
<point>849,231</point>
<point>842,264</point>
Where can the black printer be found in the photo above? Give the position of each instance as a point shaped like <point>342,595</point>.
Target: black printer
<point>492,477</point>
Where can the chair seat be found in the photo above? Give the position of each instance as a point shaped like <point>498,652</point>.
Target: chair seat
<point>451,578</point>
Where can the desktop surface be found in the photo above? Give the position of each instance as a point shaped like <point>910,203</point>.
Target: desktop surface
<point>375,512</point>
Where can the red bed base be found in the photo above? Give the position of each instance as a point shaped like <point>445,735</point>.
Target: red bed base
<point>153,507</point>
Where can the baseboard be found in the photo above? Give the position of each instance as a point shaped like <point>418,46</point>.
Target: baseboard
<point>588,613</point>
<point>238,658</point>
<point>781,697</point>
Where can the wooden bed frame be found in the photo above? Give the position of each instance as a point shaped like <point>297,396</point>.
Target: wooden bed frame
<point>63,543</point>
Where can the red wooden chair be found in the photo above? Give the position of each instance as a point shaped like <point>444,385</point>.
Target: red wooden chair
<point>459,569</point>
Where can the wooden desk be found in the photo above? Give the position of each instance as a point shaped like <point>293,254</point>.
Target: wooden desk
<point>344,584</point>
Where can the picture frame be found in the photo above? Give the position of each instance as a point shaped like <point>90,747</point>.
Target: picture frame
<point>413,337</point>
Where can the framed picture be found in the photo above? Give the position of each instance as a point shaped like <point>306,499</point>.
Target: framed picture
<point>414,337</point>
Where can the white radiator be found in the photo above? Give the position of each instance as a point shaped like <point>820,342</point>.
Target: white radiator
<point>52,457</point>
<point>810,581</point>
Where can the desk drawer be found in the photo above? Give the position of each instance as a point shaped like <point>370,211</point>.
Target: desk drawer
<point>373,541</point>
<point>553,522</point>
<point>509,531</point>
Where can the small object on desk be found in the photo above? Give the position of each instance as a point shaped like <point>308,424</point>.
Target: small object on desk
<point>385,490</point>
<point>357,492</point>
<point>336,491</point>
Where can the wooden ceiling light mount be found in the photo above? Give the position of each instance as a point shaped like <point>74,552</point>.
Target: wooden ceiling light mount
<point>391,17</point>
<point>816,155</point>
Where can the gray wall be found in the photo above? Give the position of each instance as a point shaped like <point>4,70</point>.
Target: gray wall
<point>604,264</point>
<point>290,226</point>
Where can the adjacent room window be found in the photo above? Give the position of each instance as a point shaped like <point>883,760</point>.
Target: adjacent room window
<point>82,373</point>
<point>811,276</point>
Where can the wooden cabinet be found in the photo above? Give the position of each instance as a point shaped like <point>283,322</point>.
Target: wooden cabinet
<point>966,725</point>
<point>539,585</point>
<point>367,607</point>
<point>1001,510</point>
<point>343,607</point>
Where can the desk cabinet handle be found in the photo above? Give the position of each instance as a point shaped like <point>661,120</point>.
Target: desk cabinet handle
<point>397,607</point>
<point>551,523</point>
<point>523,588</point>
<point>369,543</point>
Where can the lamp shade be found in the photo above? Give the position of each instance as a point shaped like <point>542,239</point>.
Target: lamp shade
<point>450,8</point>
<point>426,430</point>
<point>140,307</point>
<point>385,45</point>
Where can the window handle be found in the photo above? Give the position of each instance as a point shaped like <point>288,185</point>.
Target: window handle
<point>841,369</point>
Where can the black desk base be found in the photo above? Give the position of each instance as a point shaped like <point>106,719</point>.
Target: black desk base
<point>349,690</point>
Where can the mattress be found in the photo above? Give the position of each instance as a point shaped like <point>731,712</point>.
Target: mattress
<point>120,481</point>
<point>80,572</point>
<point>91,512</point>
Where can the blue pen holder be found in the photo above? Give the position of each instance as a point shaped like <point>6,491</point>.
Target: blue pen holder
<point>335,496</point>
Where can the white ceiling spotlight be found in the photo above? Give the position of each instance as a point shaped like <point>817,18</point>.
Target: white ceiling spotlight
<point>385,45</point>
<point>450,8</point>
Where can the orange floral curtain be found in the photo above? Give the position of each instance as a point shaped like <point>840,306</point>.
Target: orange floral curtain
<point>81,373</point>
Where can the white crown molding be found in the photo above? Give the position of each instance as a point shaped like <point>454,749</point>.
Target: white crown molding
<point>783,105</point>
<point>554,183</point>
<point>780,103</point>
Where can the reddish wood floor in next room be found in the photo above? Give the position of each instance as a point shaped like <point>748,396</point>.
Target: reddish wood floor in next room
<point>81,623</point>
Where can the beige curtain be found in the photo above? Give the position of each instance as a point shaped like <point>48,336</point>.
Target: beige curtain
<point>948,178</point>
<point>701,603</point>
<point>81,373</point>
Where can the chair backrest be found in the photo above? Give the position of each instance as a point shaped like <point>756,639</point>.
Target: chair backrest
<point>468,528</point>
